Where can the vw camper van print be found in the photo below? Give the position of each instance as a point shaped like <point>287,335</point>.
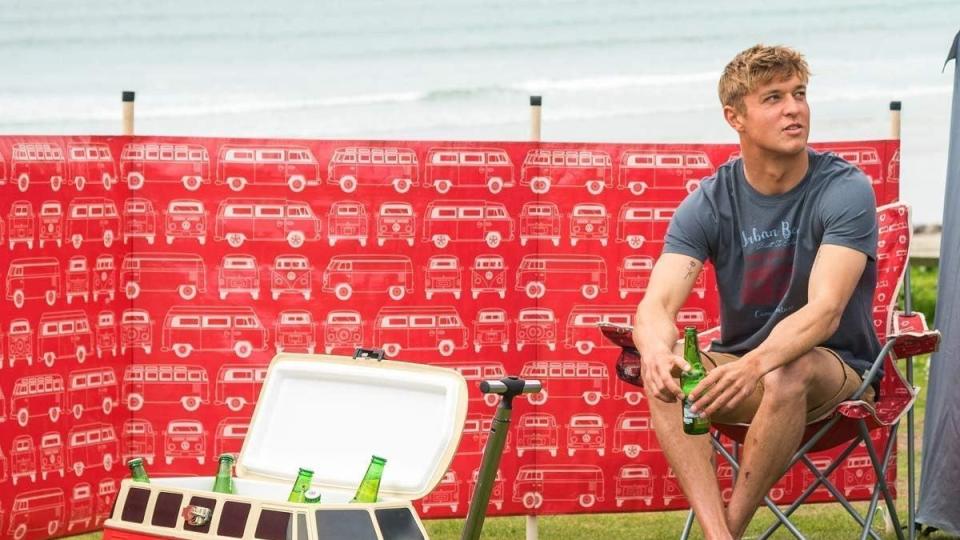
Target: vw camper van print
<point>185,219</point>
<point>347,220</point>
<point>467,221</point>
<point>20,224</point>
<point>35,162</point>
<point>90,163</point>
<point>355,166</point>
<point>92,219</point>
<point>291,166</point>
<point>446,168</point>
<point>139,220</point>
<point>190,329</point>
<point>638,223</point>
<point>544,169</point>
<point>437,328</point>
<point>269,220</point>
<point>396,221</point>
<point>184,164</point>
<point>539,274</point>
<point>50,223</point>
<point>663,168</point>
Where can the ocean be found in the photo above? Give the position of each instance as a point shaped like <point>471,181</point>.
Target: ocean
<point>613,71</point>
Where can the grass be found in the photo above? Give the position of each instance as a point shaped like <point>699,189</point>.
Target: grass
<point>826,521</point>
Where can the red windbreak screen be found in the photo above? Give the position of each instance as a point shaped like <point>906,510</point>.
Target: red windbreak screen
<point>149,281</point>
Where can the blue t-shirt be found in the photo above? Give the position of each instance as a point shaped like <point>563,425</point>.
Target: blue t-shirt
<point>763,248</point>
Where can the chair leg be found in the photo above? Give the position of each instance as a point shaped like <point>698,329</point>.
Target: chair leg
<point>688,526</point>
<point>881,470</point>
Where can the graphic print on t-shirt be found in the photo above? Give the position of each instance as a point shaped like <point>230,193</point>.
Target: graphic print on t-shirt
<point>768,263</point>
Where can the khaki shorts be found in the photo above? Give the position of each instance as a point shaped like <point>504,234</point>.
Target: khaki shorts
<point>844,379</point>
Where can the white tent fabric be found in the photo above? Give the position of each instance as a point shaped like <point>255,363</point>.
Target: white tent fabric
<point>940,475</point>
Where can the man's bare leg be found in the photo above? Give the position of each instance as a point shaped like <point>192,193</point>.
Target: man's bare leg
<point>777,428</point>
<point>690,456</point>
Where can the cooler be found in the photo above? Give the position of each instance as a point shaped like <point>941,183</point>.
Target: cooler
<point>328,414</point>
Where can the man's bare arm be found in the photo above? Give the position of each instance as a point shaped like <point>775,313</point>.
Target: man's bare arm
<point>655,331</point>
<point>835,274</point>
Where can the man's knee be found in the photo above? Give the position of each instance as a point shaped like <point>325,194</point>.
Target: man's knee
<point>791,381</point>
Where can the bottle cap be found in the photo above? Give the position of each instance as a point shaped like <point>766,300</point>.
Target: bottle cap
<point>312,495</point>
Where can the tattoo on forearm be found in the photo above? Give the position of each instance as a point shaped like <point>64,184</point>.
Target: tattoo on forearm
<point>691,266</point>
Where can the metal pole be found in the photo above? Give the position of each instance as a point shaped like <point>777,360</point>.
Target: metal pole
<point>127,98</point>
<point>536,102</point>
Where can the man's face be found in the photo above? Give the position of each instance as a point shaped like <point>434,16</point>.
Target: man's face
<point>777,117</point>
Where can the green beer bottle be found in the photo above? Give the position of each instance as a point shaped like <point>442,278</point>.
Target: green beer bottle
<point>224,480</point>
<point>370,486</point>
<point>693,423</point>
<point>137,471</point>
<point>300,486</point>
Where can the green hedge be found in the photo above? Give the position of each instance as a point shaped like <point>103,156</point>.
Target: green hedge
<point>923,284</point>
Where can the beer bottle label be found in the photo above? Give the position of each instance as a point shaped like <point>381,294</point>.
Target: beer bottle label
<point>689,417</point>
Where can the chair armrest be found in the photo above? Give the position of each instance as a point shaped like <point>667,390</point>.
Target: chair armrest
<point>913,336</point>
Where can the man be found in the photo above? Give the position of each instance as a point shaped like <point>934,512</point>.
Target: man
<point>792,236</point>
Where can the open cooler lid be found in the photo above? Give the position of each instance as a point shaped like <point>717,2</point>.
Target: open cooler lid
<point>331,413</point>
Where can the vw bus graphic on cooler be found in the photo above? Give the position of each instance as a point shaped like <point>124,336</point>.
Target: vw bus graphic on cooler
<point>138,440</point>
<point>475,372</point>
<point>184,439</point>
<point>52,455</point>
<point>92,389</point>
<point>23,459</point>
<point>90,162</point>
<point>419,328</point>
<point>92,219</point>
<point>540,221</point>
<point>537,432</point>
<point>50,223</point>
<point>269,220</point>
<point>139,220</point>
<point>37,510</point>
<point>638,223</point>
<point>342,329</point>
<point>92,446</point>
<point>468,167</point>
<point>443,274</point>
<point>568,379</point>
<point>229,437</point>
<point>347,220</point>
<point>136,330</point>
<point>589,221</point>
<point>165,383</point>
<point>238,274</point>
<point>32,278</point>
<point>488,274</point>
<point>19,342</point>
<point>62,335</point>
<point>77,279</point>
<point>539,274</point>
<point>634,483</point>
<point>181,273</point>
<point>545,168</point>
<point>185,219</point>
<point>467,221</point>
<point>536,484</point>
<point>491,328</point>
<point>291,166</point>
<point>81,506</point>
<point>36,162</point>
<point>446,494</point>
<point>20,224</point>
<point>633,434</point>
<point>104,277</point>
<point>373,166</point>
<point>189,329</point>
<point>536,326</point>
<point>586,431</point>
<point>239,385</point>
<point>663,168</point>
<point>185,164</point>
<point>347,274</point>
<point>583,333</point>
<point>291,274</point>
<point>295,331</point>
<point>396,221</point>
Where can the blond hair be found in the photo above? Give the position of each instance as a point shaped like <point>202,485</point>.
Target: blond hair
<point>757,66</point>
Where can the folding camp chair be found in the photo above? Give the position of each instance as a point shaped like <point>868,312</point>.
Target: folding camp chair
<point>853,422</point>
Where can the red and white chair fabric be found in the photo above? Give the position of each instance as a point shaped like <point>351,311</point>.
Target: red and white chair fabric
<point>854,422</point>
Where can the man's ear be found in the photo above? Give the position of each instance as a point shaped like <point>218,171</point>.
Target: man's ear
<point>733,118</point>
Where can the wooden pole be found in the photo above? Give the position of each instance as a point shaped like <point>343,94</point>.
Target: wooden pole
<point>535,104</point>
<point>895,120</point>
<point>127,98</point>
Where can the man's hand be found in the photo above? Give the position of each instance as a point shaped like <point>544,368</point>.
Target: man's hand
<point>726,386</point>
<point>660,374</point>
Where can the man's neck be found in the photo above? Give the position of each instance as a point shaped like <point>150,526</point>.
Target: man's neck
<point>774,174</point>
